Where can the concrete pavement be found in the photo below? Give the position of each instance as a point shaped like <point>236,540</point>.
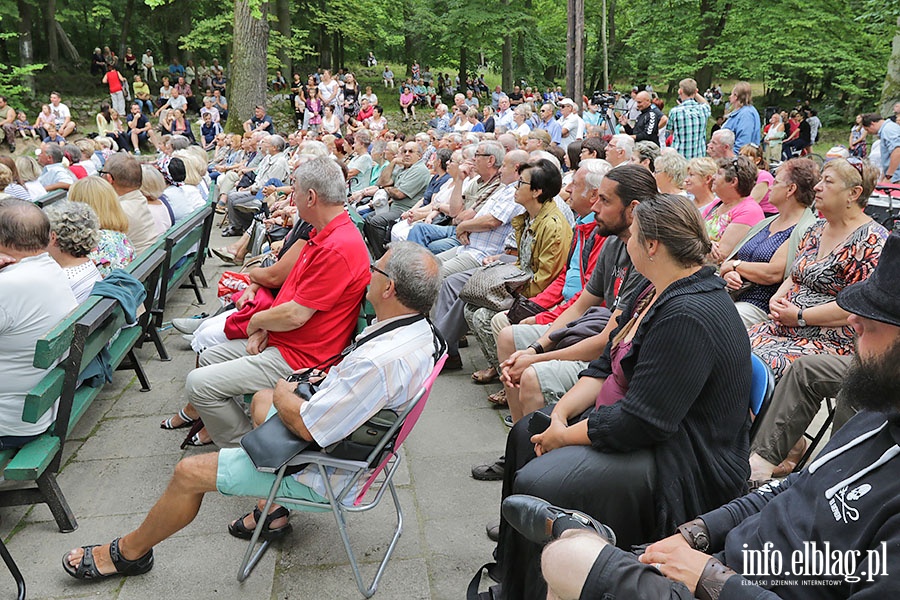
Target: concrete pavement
<point>118,461</point>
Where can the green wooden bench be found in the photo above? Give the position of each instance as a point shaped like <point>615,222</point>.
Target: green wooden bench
<point>65,351</point>
<point>185,245</point>
<point>51,197</point>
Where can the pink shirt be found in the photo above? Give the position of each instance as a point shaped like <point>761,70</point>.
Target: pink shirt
<point>764,204</point>
<point>746,212</point>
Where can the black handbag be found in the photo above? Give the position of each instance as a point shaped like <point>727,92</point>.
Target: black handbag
<point>522,308</point>
<point>272,444</point>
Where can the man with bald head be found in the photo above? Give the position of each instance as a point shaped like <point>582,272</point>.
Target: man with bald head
<point>484,234</point>
<point>25,316</point>
<point>124,173</point>
<point>646,126</point>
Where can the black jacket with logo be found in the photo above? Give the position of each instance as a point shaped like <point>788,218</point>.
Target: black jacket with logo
<point>849,498</point>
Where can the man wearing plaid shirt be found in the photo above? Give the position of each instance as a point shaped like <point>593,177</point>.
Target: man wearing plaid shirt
<point>688,121</point>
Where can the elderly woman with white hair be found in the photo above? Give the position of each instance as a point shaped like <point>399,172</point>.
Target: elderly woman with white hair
<point>670,172</point>
<point>74,232</point>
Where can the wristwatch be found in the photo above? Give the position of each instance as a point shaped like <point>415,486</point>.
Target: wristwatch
<point>695,534</point>
<point>538,349</point>
<point>801,322</point>
<point>734,264</point>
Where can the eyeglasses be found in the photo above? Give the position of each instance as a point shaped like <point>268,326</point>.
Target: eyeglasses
<point>375,269</point>
<point>482,154</point>
<point>520,182</point>
<point>857,164</point>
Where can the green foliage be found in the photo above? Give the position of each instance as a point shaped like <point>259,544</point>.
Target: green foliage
<point>829,51</point>
<point>210,34</point>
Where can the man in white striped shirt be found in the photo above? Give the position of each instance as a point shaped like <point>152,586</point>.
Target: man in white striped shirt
<point>384,372</point>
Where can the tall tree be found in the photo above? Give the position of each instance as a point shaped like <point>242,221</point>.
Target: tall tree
<point>248,64</point>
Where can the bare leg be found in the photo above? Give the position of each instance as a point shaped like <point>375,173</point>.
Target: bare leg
<point>567,562</point>
<point>176,508</point>
<point>528,397</point>
<point>260,405</point>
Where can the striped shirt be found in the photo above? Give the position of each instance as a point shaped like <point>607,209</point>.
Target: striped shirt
<point>502,206</point>
<point>386,372</point>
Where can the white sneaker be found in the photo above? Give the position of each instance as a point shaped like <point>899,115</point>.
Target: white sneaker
<point>187,325</point>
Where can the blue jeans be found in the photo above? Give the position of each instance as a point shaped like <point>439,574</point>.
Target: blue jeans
<point>273,181</point>
<point>437,238</point>
<point>16,441</point>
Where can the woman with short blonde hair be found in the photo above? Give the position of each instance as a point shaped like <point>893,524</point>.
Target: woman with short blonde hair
<point>113,251</point>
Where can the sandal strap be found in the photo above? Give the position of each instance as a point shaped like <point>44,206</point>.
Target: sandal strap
<point>184,417</point>
<point>125,566</point>
<point>278,513</point>
<point>87,569</point>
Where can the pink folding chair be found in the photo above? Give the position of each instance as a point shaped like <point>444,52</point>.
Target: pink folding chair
<point>376,469</point>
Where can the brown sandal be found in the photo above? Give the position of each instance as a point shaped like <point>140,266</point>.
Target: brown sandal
<point>485,375</point>
<point>498,398</point>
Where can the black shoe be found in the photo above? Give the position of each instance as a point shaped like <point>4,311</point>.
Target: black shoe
<point>490,472</point>
<point>231,232</point>
<point>540,522</point>
<point>12,148</point>
<point>463,342</point>
<point>454,363</point>
<point>493,531</point>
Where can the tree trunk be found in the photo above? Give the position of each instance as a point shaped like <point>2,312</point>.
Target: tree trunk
<point>52,46</point>
<point>713,24</point>
<point>248,80</point>
<point>126,30</point>
<point>463,66</point>
<point>890,92</point>
<point>284,27</point>
<point>506,77</point>
<point>519,67</point>
<point>26,46</point>
<point>68,47</point>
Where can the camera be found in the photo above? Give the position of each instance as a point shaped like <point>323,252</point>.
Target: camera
<point>603,99</point>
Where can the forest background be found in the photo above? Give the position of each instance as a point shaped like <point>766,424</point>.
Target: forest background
<point>832,53</point>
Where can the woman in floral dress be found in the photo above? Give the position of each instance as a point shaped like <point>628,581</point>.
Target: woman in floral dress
<point>841,249</point>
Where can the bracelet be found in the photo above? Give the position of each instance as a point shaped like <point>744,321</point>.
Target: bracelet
<point>538,349</point>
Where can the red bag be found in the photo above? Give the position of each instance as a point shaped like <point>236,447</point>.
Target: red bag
<point>236,323</point>
<point>231,282</point>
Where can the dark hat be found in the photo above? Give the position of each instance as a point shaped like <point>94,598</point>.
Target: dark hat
<point>878,297</point>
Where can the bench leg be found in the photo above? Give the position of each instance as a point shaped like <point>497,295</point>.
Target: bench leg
<point>138,368</point>
<point>196,288</point>
<point>202,278</point>
<point>56,502</point>
<point>153,334</point>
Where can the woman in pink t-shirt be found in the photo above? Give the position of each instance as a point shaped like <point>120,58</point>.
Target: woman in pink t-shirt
<point>731,215</point>
<point>764,179</point>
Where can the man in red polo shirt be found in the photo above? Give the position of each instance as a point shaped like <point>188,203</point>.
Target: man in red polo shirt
<point>312,319</point>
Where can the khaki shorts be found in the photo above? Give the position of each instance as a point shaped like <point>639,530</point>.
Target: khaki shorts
<point>556,377</point>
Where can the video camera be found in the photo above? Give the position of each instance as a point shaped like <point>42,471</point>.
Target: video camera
<point>603,99</point>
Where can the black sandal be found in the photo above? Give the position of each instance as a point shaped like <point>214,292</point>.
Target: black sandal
<point>239,530</point>
<point>88,570</point>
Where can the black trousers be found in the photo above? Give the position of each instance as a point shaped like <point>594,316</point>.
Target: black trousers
<point>615,489</point>
<point>378,229</point>
<point>617,574</point>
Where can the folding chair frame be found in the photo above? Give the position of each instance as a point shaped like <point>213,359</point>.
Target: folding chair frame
<point>386,468</point>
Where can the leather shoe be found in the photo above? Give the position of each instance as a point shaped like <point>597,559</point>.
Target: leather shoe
<point>539,521</point>
<point>454,363</point>
<point>493,531</point>
<point>490,472</point>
